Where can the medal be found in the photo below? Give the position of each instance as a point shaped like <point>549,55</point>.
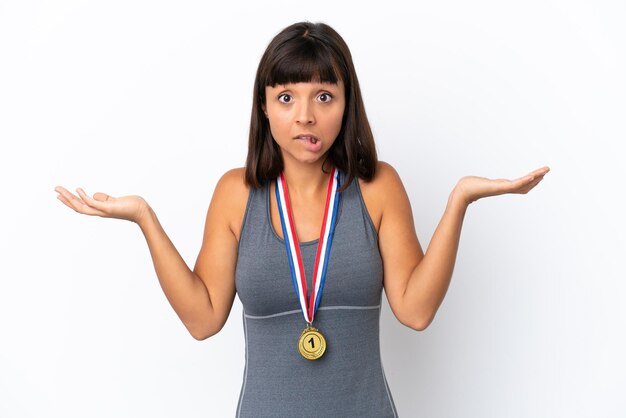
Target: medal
<point>311,343</point>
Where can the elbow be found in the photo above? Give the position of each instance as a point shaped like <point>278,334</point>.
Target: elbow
<point>417,324</point>
<point>202,327</point>
<point>203,333</point>
<point>199,337</point>
<point>417,327</point>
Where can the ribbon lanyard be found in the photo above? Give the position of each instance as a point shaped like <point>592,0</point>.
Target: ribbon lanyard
<point>292,245</point>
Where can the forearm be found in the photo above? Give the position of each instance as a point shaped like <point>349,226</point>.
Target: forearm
<point>429,281</point>
<point>184,290</point>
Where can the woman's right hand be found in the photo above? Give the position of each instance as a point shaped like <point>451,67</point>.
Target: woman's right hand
<point>131,208</point>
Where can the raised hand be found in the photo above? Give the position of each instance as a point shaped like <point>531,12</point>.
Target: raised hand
<point>473,188</point>
<point>131,208</point>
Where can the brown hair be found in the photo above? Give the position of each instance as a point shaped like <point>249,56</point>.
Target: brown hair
<point>305,52</point>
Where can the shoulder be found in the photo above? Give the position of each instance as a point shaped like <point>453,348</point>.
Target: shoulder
<point>381,190</point>
<point>385,177</point>
<point>235,177</point>
<point>230,198</point>
<point>232,185</point>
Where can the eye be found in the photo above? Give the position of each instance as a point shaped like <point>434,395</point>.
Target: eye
<point>284,95</point>
<point>328,97</point>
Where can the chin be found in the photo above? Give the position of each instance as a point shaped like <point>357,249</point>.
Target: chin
<point>307,159</point>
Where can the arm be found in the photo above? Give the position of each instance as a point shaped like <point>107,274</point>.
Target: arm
<point>428,282</point>
<point>184,289</point>
<point>415,284</point>
<point>202,298</point>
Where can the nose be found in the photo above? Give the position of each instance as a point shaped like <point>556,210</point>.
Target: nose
<point>305,114</point>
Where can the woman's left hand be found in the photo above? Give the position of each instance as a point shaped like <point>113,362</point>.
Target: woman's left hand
<point>472,188</point>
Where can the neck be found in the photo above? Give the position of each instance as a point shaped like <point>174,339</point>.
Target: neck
<point>306,180</point>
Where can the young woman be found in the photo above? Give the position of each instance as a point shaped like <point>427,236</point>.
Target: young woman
<point>313,213</point>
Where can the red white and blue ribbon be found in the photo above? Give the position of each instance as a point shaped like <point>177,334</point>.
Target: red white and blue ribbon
<point>323,247</point>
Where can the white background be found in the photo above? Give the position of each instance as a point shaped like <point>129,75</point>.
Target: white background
<point>154,98</point>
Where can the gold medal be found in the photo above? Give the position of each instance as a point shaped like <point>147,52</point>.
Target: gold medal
<point>311,343</point>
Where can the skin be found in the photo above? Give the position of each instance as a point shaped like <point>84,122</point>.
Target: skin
<point>415,283</point>
<point>294,109</point>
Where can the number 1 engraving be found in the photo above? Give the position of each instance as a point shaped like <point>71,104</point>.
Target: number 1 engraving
<point>312,343</point>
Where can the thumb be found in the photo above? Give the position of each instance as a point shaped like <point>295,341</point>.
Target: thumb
<point>101,197</point>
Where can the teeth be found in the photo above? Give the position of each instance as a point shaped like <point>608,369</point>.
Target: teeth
<point>310,138</point>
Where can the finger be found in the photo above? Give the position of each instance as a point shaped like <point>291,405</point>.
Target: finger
<point>520,185</point>
<point>523,181</point>
<point>101,197</point>
<point>536,182</point>
<point>68,196</point>
<point>539,172</point>
<point>533,175</point>
<point>64,201</point>
<point>77,204</point>
<point>62,191</point>
<point>89,200</point>
<point>95,207</point>
<point>528,187</point>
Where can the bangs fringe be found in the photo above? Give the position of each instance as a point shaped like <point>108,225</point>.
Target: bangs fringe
<point>305,61</point>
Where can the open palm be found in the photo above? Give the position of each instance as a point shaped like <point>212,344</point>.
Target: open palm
<point>131,208</point>
<point>473,188</point>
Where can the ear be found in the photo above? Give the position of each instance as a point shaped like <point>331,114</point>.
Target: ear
<point>264,109</point>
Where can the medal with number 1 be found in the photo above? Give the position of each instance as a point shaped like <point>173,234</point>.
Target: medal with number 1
<point>311,343</point>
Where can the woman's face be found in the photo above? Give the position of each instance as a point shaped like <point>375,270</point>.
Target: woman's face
<point>314,109</point>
